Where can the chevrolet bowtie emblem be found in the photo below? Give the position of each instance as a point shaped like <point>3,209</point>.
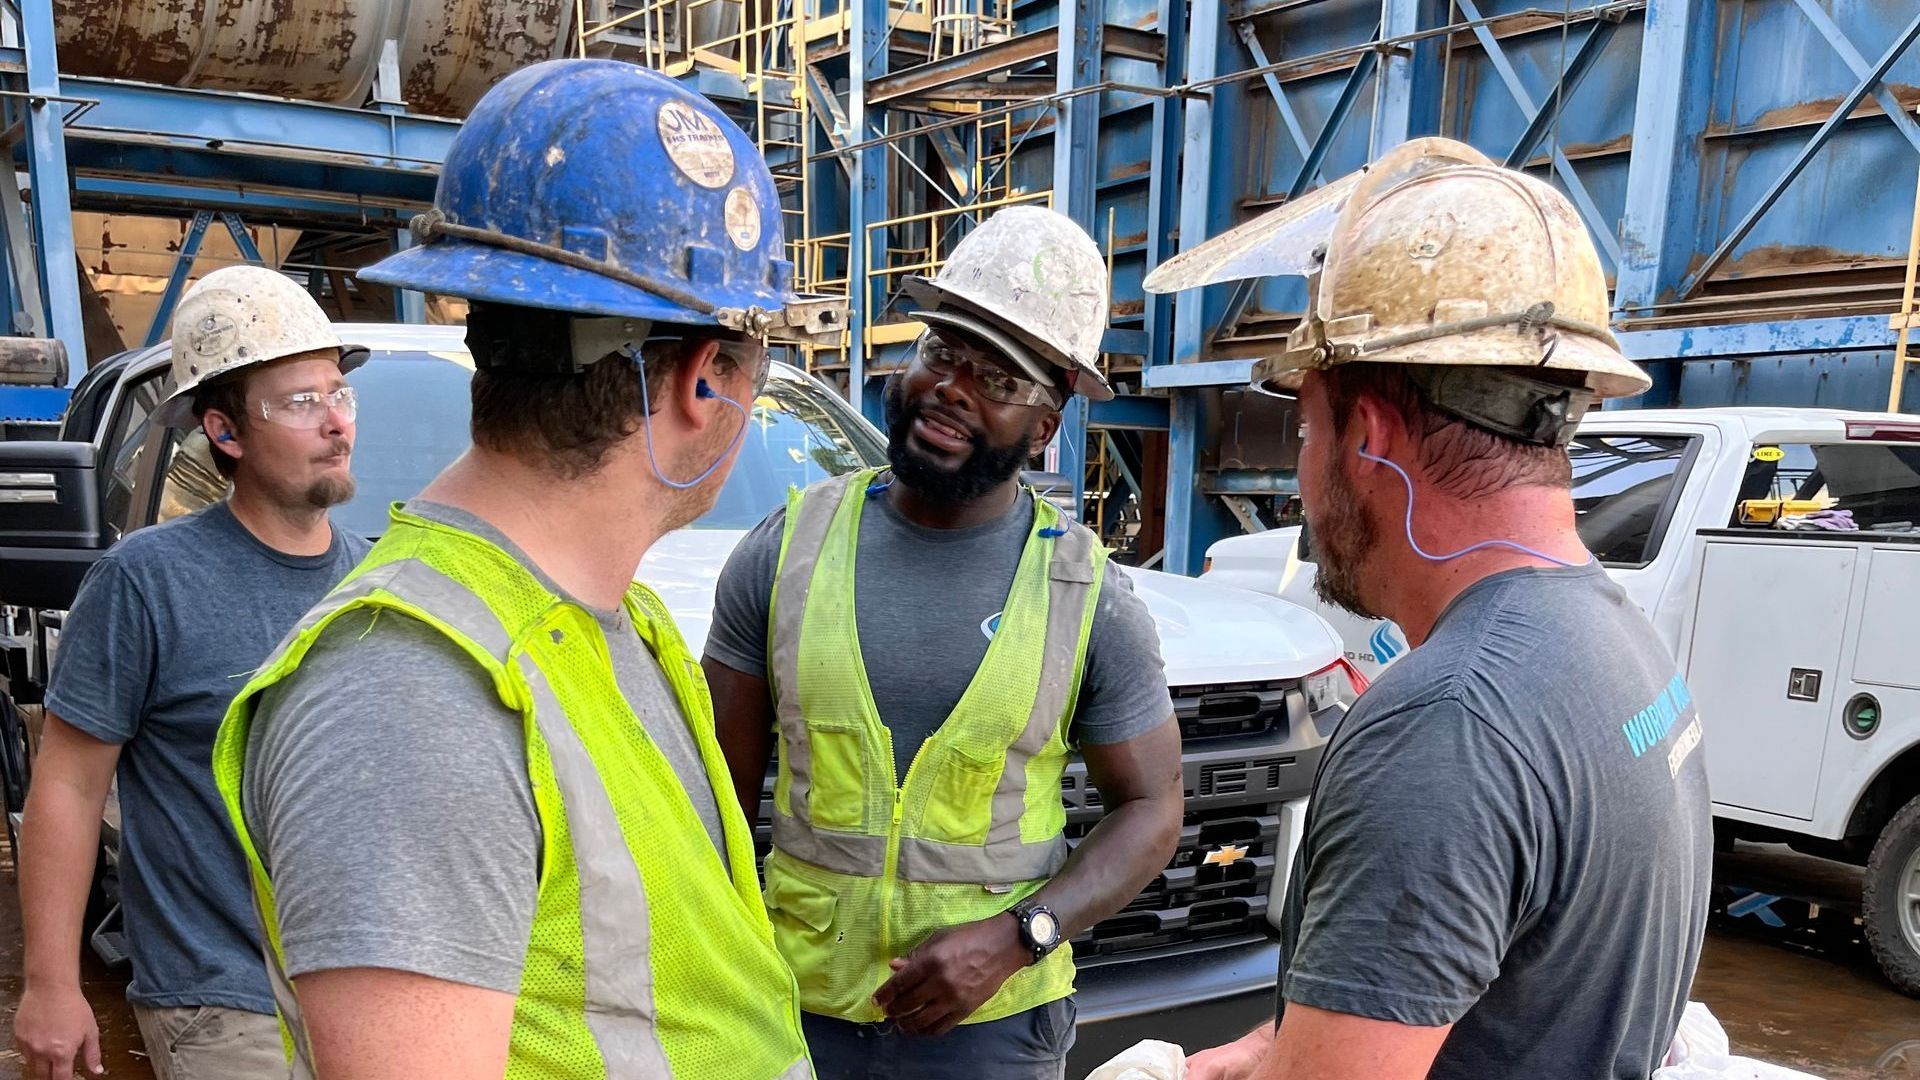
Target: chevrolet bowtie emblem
<point>1225,855</point>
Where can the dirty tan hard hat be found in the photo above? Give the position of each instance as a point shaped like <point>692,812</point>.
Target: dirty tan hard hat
<point>1433,255</point>
<point>239,316</point>
<point>1033,284</point>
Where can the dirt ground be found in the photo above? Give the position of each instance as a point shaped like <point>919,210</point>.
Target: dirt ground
<point>1823,1010</point>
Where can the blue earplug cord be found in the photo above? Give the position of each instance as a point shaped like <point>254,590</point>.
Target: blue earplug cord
<point>700,390</point>
<point>1468,550</point>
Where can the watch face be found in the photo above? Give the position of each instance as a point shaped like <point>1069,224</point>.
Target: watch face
<point>1044,928</point>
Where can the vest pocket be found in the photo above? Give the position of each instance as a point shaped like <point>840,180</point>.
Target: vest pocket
<point>837,792</point>
<point>802,913</point>
<point>959,808</point>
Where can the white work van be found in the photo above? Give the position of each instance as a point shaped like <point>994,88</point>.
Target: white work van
<point>1777,553</point>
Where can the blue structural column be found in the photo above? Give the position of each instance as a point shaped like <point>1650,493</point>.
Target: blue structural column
<point>1076,137</point>
<point>1662,220</point>
<point>1163,188</point>
<point>1205,196</point>
<point>410,305</point>
<point>52,210</point>
<point>867,201</point>
<point>1407,104</point>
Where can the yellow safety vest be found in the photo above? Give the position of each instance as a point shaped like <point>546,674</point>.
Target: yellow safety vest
<point>865,867</point>
<point>647,957</point>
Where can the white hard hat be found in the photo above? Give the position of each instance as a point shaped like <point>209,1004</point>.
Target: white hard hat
<point>238,316</point>
<point>1431,256</point>
<point>1032,283</point>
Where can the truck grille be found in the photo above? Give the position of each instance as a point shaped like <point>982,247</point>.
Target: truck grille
<point>1216,710</point>
<point>1192,900</point>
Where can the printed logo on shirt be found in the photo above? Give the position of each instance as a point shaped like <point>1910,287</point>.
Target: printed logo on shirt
<point>991,624</point>
<point>1650,726</point>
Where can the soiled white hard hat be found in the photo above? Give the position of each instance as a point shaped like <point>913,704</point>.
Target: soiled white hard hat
<point>239,316</point>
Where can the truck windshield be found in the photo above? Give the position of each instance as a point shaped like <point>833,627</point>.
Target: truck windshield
<point>413,422</point>
<point>1838,487</point>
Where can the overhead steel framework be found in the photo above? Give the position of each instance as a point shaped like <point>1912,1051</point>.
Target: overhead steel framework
<point>1730,158</point>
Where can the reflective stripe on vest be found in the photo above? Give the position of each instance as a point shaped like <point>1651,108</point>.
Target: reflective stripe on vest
<point>616,963</point>
<point>867,864</point>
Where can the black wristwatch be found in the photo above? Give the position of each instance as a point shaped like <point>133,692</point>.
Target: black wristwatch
<point>1039,928</point>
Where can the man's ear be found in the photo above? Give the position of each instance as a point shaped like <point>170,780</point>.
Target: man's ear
<point>1043,433</point>
<point>698,367</point>
<point>1381,432</point>
<point>221,432</point>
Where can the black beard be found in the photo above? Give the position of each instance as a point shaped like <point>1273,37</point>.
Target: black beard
<point>986,468</point>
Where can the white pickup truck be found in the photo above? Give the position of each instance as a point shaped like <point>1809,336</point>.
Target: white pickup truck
<point>1777,553</point>
<point>1254,680</point>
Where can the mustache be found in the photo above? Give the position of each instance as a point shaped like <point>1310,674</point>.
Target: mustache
<point>336,447</point>
<point>945,417</point>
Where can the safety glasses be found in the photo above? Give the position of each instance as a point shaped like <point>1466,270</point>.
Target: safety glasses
<point>309,409</point>
<point>996,383</point>
<point>750,356</point>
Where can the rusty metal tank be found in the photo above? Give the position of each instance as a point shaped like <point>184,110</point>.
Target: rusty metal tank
<point>448,51</point>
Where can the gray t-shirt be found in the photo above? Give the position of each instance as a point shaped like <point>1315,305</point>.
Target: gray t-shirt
<point>167,627</point>
<point>387,790</point>
<point>1511,833</point>
<point>926,602</point>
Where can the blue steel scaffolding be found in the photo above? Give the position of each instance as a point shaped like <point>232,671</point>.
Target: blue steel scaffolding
<point>1732,159</point>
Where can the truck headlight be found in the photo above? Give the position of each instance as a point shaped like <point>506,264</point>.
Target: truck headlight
<point>1333,684</point>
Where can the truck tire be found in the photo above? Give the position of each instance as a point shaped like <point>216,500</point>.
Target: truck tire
<point>1891,899</point>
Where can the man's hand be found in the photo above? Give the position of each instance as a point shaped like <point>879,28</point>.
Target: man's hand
<point>54,1030</point>
<point>1233,1061</point>
<point>951,974</point>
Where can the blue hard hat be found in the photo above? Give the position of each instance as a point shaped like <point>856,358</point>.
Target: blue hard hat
<point>600,188</point>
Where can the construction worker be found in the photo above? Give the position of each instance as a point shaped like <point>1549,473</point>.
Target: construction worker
<point>1497,878</point>
<point>931,642</point>
<point>163,624</point>
<point>477,786</point>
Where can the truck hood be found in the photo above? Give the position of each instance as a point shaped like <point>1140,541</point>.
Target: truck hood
<point>1208,633</point>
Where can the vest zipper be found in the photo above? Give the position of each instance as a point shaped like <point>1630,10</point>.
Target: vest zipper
<point>890,871</point>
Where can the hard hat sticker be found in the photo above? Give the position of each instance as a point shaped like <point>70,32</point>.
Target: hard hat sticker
<point>743,219</point>
<point>696,145</point>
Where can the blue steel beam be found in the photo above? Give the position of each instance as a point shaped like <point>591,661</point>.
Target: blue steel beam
<point>1856,63</point>
<point>110,193</point>
<point>242,239</point>
<point>409,304</point>
<point>1132,412</point>
<point>1793,336</point>
<point>1576,188</point>
<point>1664,181</point>
<point>1187,509</point>
<point>1076,156</point>
<point>257,127</point>
<point>1251,38</point>
<point>1412,76</point>
<point>1199,373</point>
<point>177,280</point>
<point>1163,187</point>
<point>1363,67</point>
<point>1839,116</point>
<point>1576,71</point>
<point>52,209</point>
<point>867,198</point>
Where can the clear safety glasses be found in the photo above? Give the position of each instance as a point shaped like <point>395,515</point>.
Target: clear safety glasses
<point>995,382</point>
<point>309,409</point>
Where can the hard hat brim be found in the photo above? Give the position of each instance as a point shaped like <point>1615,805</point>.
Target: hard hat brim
<point>1609,374</point>
<point>939,304</point>
<point>495,275</point>
<point>1088,385</point>
<point>177,410</point>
